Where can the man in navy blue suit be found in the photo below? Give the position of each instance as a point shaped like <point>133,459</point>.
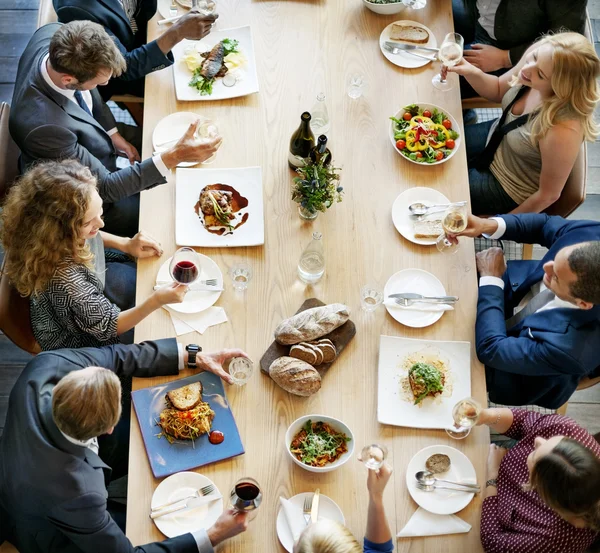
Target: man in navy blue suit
<point>538,322</point>
<point>126,21</point>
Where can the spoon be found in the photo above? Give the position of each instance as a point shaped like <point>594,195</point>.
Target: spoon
<point>419,208</point>
<point>427,479</point>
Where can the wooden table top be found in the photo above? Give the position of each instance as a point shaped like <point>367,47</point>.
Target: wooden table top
<point>303,48</point>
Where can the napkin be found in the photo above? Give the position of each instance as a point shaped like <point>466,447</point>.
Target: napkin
<point>294,517</point>
<point>419,306</point>
<point>198,322</point>
<point>424,523</point>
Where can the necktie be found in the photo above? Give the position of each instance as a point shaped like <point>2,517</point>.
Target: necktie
<point>81,102</point>
<point>537,302</point>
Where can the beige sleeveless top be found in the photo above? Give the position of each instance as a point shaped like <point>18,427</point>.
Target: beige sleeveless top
<point>517,162</point>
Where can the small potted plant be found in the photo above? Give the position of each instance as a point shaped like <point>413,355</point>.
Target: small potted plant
<point>316,188</point>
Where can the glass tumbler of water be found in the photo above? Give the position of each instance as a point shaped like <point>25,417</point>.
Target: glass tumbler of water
<point>246,495</point>
<point>451,52</point>
<point>207,131</point>
<point>370,297</point>
<point>241,275</point>
<point>240,370</point>
<point>356,86</point>
<point>465,414</point>
<point>373,456</point>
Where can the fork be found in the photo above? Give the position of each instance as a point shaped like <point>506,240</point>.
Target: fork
<point>206,490</point>
<point>307,507</point>
<point>405,302</point>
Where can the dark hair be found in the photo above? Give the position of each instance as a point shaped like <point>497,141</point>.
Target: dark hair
<point>584,261</point>
<point>82,49</point>
<point>568,481</point>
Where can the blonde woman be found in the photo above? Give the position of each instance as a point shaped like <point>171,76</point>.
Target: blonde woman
<point>548,102</point>
<point>50,229</point>
<point>327,536</point>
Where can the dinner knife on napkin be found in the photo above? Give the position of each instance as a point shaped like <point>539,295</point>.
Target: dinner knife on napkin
<point>314,512</point>
<point>194,287</point>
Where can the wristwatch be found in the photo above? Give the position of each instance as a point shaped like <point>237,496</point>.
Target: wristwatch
<point>193,350</point>
<point>492,482</point>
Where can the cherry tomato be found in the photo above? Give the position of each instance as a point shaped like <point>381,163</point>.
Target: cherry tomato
<point>450,144</point>
<point>407,116</point>
<point>427,113</point>
<point>419,154</point>
<point>447,123</point>
<point>439,156</point>
<point>401,144</point>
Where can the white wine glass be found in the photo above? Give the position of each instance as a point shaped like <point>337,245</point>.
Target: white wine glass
<point>207,131</point>
<point>466,413</point>
<point>450,53</point>
<point>373,456</point>
<point>454,222</point>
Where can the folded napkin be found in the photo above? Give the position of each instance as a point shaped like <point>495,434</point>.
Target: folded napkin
<point>419,306</point>
<point>424,523</point>
<point>198,322</point>
<point>294,517</point>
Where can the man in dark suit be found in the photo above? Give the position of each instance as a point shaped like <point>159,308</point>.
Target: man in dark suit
<point>126,21</point>
<point>56,452</point>
<point>538,322</point>
<point>57,113</point>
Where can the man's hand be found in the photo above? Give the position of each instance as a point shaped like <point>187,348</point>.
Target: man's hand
<point>476,226</point>
<point>495,456</point>
<point>194,26</point>
<point>124,147</point>
<point>487,58</point>
<point>190,148</point>
<point>229,524</point>
<point>491,262</point>
<point>213,362</point>
<point>142,245</point>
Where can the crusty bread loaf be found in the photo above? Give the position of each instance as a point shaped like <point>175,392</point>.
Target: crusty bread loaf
<point>431,228</point>
<point>311,324</point>
<point>186,397</point>
<point>409,33</point>
<point>295,376</point>
<point>306,354</point>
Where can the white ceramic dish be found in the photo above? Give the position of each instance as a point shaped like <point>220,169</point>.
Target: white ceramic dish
<point>385,9</point>
<point>170,129</point>
<point>336,424</point>
<point>442,502</point>
<point>404,59</point>
<point>189,230</point>
<point>393,406</point>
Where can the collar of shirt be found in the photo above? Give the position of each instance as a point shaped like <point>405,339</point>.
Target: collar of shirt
<point>70,94</point>
<point>92,443</point>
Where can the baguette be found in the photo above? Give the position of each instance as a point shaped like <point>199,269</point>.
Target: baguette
<point>311,324</point>
<point>409,33</point>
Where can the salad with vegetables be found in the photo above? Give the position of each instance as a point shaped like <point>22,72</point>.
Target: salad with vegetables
<point>424,136</point>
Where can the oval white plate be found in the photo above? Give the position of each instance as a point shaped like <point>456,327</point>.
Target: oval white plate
<point>442,502</point>
<point>180,485</point>
<point>404,59</point>
<point>327,509</point>
<point>195,301</point>
<point>172,128</point>
<point>419,282</point>
<point>403,220</point>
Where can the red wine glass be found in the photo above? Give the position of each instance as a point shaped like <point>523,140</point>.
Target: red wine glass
<point>185,266</point>
<point>246,495</point>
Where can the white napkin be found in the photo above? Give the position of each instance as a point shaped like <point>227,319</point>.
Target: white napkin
<point>419,306</point>
<point>424,523</point>
<point>199,322</point>
<point>294,518</point>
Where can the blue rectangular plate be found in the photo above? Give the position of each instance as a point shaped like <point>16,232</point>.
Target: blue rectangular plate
<point>166,458</point>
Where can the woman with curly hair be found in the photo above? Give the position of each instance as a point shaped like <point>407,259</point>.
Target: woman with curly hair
<point>50,228</point>
<point>521,162</point>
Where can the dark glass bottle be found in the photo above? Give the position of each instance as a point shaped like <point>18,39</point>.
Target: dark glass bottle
<point>321,151</point>
<point>301,143</point>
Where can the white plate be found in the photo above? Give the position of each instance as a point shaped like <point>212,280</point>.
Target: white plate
<point>394,408</point>
<point>403,220</point>
<point>248,83</point>
<point>442,502</point>
<point>189,230</point>
<point>180,485</point>
<point>328,509</point>
<point>163,9</point>
<point>171,128</point>
<point>418,282</point>
<point>195,302</point>
<point>404,59</point>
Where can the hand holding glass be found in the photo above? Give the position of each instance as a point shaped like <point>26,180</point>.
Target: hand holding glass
<point>466,413</point>
<point>207,131</point>
<point>451,52</point>
<point>246,495</point>
<point>185,266</point>
<point>373,456</point>
<point>454,222</point>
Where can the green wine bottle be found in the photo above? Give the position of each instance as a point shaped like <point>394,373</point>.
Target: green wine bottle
<point>301,143</point>
<point>320,153</point>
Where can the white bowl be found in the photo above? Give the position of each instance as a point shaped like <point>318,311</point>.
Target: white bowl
<point>336,424</point>
<point>385,9</point>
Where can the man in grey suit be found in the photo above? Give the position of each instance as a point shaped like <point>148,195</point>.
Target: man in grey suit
<point>54,467</point>
<point>57,113</point>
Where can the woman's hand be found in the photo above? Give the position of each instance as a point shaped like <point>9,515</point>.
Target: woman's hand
<point>377,480</point>
<point>142,245</point>
<point>213,362</point>
<point>171,293</point>
<point>495,456</point>
<point>463,67</point>
<point>122,146</point>
<point>487,58</point>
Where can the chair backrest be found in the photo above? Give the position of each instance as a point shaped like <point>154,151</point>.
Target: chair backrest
<point>46,13</point>
<point>9,153</point>
<point>573,194</point>
<point>7,548</point>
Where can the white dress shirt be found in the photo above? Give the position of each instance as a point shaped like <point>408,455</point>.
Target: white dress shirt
<point>487,15</point>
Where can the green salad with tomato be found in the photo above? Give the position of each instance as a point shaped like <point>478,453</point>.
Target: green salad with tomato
<point>424,136</point>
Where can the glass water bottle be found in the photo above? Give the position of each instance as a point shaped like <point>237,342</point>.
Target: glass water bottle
<point>320,116</point>
<point>312,261</point>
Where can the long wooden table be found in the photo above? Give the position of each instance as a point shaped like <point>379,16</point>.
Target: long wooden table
<point>303,48</point>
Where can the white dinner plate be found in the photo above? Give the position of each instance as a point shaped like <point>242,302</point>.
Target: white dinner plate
<point>442,502</point>
<point>328,509</point>
<point>178,485</point>
<point>163,9</point>
<point>404,59</point>
<point>418,282</point>
<point>194,302</point>
<point>395,403</point>
<point>403,220</point>
<point>172,128</point>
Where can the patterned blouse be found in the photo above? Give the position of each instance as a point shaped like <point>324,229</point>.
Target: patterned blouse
<point>514,521</point>
<point>73,312</point>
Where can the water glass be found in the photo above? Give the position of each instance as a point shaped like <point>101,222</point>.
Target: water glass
<point>370,297</point>
<point>241,275</point>
<point>240,370</point>
<point>207,130</point>
<point>356,86</point>
<point>373,456</point>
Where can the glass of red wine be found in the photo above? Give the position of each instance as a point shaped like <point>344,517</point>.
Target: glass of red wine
<point>185,266</point>
<point>246,495</point>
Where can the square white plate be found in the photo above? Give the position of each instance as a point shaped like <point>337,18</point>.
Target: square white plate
<point>182,75</point>
<point>189,230</point>
<point>393,408</point>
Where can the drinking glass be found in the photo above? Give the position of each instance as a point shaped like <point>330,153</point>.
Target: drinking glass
<point>185,266</point>
<point>205,7</point>
<point>240,370</point>
<point>465,414</point>
<point>173,8</point>
<point>356,86</point>
<point>454,222</point>
<point>415,4</point>
<point>373,456</point>
<point>246,495</point>
<point>241,275</point>
<point>451,52</point>
<point>207,130</point>
<point>370,297</point>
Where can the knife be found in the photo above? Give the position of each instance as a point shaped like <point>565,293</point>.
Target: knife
<point>194,287</point>
<point>395,50</point>
<point>419,297</point>
<point>189,504</point>
<point>402,46</point>
<point>314,512</point>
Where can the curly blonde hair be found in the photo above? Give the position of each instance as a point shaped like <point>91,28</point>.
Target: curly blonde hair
<point>327,536</point>
<point>41,220</point>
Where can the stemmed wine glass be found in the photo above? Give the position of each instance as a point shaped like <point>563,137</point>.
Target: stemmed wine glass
<point>207,130</point>
<point>465,414</point>
<point>451,52</point>
<point>373,456</point>
<point>454,222</point>
<point>246,495</point>
<point>185,266</point>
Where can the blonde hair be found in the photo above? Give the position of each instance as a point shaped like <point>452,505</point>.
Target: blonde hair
<point>327,536</point>
<point>40,224</point>
<point>87,403</point>
<point>575,70</point>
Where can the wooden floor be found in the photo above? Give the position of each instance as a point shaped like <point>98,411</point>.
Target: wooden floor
<point>18,20</point>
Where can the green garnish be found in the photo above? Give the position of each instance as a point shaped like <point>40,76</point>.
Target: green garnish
<point>320,442</point>
<point>200,83</point>
<point>413,109</point>
<point>426,378</point>
<point>219,213</point>
<point>230,45</point>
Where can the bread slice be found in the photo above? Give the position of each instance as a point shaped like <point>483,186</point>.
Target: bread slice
<point>327,349</point>
<point>317,351</point>
<point>409,33</point>
<point>431,228</point>
<point>304,353</point>
<point>438,463</point>
<point>186,397</point>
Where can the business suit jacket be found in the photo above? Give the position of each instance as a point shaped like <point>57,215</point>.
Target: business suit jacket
<point>47,125</point>
<point>141,58</point>
<point>53,492</point>
<point>542,359</point>
<point>518,23</point>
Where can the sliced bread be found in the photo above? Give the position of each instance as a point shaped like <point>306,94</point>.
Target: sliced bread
<point>304,353</point>
<point>409,33</point>
<point>431,228</point>
<point>327,348</point>
<point>187,397</point>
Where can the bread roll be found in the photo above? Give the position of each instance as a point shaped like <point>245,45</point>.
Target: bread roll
<point>409,33</point>
<point>311,324</point>
<point>295,376</point>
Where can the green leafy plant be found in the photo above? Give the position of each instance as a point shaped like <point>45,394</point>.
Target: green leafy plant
<point>316,188</point>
